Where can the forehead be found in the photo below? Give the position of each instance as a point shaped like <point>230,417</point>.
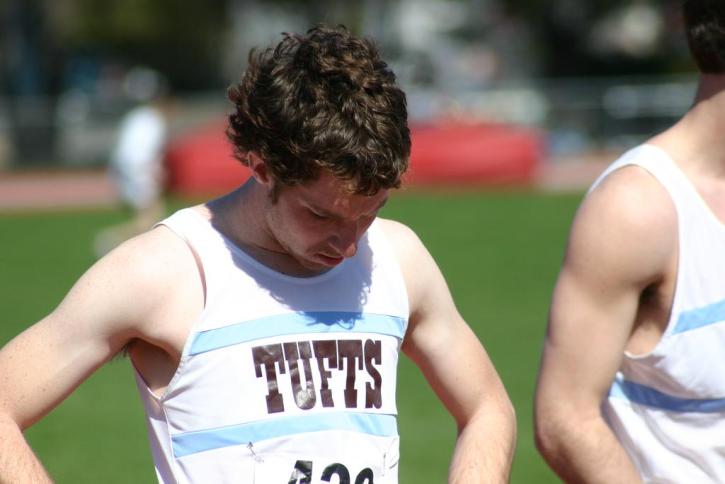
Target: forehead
<point>333,194</point>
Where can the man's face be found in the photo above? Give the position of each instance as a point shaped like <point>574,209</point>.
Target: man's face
<point>319,223</point>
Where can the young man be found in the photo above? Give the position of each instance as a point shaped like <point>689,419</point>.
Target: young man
<point>264,326</point>
<point>631,386</point>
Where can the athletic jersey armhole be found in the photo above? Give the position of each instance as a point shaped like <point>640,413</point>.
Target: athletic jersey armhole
<point>657,164</point>
<point>194,253</point>
<point>377,232</point>
<point>194,230</point>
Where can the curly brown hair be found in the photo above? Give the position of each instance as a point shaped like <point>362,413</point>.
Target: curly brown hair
<point>705,27</point>
<point>324,100</point>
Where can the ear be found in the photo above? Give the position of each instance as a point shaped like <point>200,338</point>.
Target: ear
<point>259,169</point>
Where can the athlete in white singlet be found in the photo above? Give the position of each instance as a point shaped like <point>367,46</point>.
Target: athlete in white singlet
<point>283,376</point>
<point>264,326</point>
<point>631,386</point>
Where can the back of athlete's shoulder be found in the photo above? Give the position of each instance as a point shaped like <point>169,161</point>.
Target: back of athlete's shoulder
<point>633,199</point>
<point>626,225</point>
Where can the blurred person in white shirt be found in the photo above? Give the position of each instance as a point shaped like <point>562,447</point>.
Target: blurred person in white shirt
<point>136,162</point>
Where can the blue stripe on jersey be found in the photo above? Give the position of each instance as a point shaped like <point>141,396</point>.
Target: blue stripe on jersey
<point>697,318</point>
<point>644,395</point>
<point>296,323</point>
<point>381,425</point>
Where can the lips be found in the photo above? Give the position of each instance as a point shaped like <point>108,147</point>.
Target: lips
<point>331,261</point>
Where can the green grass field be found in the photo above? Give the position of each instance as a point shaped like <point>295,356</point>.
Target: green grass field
<point>499,251</point>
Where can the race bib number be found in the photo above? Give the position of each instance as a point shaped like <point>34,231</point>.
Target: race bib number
<point>303,473</point>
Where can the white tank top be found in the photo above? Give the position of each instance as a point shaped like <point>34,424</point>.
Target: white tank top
<point>283,379</point>
<point>667,407</point>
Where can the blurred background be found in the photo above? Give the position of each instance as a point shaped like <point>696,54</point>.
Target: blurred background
<point>586,76</point>
<point>515,106</point>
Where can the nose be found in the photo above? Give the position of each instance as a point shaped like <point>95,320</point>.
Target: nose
<point>351,250</point>
<point>346,239</point>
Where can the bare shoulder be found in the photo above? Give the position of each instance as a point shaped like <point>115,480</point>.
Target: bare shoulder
<point>405,242</point>
<point>629,221</point>
<point>428,292</point>
<point>630,186</point>
<point>632,201</point>
<point>125,289</point>
<point>154,255</point>
<point>412,255</point>
<point>122,298</point>
<point>148,261</point>
<point>398,232</point>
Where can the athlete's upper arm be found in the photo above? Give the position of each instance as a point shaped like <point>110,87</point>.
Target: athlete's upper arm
<point>438,340</point>
<point>621,241</point>
<point>104,310</point>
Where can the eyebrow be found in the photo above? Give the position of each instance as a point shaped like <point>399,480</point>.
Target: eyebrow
<point>327,213</point>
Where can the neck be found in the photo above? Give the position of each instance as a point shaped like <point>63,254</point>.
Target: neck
<point>697,139</point>
<point>240,216</point>
<point>711,86</point>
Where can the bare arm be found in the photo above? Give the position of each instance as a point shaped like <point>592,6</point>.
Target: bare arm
<point>18,463</point>
<point>457,367</point>
<point>105,310</point>
<point>621,242</point>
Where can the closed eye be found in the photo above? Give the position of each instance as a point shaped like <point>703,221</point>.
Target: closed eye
<point>318,215</point>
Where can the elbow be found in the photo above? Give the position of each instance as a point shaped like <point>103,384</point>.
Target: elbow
<point>495,416</point>
<point>8,425</point>
<point>507,413</point>
<point>549,423</point>
<point>504,414</point>
<point>549,434</point>
<point>544,439</point>
<point>510,412</point>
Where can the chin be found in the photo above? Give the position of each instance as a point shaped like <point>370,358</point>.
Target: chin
<point>310,263</point>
